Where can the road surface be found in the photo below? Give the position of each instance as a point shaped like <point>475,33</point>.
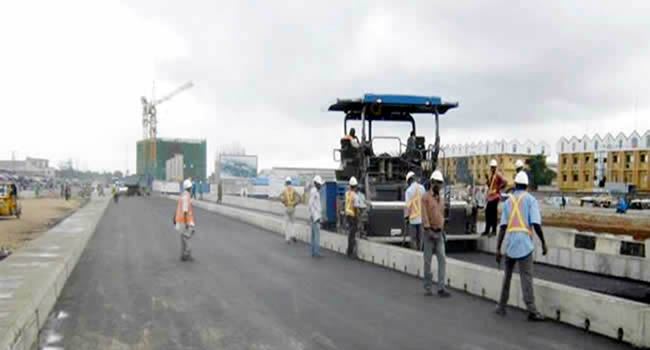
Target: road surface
<point>248,289</point>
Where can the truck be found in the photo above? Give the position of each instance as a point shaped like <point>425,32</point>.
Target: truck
<point>381,176</point>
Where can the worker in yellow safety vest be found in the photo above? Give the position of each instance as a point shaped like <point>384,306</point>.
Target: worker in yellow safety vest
<point>352,205</point>
<point>520,216</point>
<point>184,220</point>
<point>289,198</point>
<point>413,210</point>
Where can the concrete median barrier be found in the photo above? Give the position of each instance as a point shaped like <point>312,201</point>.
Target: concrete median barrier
<point>606,315</point>
<point>32,278</point>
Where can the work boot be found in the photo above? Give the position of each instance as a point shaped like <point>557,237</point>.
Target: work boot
<point>443,293</point>
<point>501,311</point>
<point>428,293</point>
<point>535,316</point>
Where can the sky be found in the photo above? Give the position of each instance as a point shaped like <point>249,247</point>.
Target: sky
<point>264,72</point>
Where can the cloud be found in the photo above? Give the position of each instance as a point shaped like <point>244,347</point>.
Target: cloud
<point>264,72</point>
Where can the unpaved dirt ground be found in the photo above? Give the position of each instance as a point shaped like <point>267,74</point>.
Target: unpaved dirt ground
<point>38,215</point>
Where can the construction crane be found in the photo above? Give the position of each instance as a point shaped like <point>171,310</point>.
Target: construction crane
<point>150,122</point>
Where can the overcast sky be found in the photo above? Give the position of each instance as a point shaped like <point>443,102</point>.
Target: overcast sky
<point>72,72</point>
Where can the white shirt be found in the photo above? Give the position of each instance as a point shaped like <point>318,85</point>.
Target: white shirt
<point>314,205</point>
<point>410,193</point>
<point>185,202</point>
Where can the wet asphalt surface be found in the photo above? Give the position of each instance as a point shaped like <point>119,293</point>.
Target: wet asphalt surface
<point>247,289</point>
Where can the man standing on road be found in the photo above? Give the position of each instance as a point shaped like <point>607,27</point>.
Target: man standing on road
<point>496,183</point>
<point>520,216</point>
<point>289,199</point>
<point>433,220</point>
<point>315,215</point>
<point>184,220</point>
<point>201,189</point>
<point>193,189</point>
<point>413,210</point>
<point>352,215</point>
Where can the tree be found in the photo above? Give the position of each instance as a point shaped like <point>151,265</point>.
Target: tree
<point>541,175</point>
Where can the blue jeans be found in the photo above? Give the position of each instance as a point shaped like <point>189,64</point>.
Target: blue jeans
<point>315,238</point>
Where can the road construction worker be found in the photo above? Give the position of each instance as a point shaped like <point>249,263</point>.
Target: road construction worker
<point>496,183</point>
<point>413,210</point>
<point>289,198</point>
<point>519,166</point>
<point>410,143</point>
<point>184,220</point>
<point>352,215</point>
<point>201,190</point>
<point>520,216</point>
<point>433,240</point>
<point>354,140</point>
<point>315,215</point>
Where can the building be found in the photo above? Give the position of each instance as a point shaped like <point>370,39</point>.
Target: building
<point>469,163</point>
<point>28,167</point>
<point>193,153</point>
<point>609,162</point>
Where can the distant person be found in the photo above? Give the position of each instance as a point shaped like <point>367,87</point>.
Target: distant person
<point>315,215</point>
<point>433,239</point>
<point>411,143</point>
<point>519,166</point>
<point>67,192</point>
<point>193,189</point>
<point>201,190</point>
<point>184,220</point>
<point>520,216</point>
<point>413,210</point>
<point>62,190</point>
<point>496,183</point>
<point>220,192</point>
<point>352,205</point>
<point>563,203</point>
<point>354,140</point>
<point>622,206</point>
<point>289,198</point>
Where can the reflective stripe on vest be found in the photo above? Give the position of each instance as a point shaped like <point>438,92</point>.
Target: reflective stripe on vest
<point>350,210</point>
<point>415,205</point>
<point>180,218</point>
<point>492,183</point>
<point>516,222</point>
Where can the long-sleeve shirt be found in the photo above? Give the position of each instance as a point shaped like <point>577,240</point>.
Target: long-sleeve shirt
<point>314,205</point>
<point>413,212</point>
<point>433,212</point>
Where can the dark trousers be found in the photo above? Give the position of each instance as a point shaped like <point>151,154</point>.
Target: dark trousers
<point>491,216</point>
<point>526,279</point>
<point>352,235</point>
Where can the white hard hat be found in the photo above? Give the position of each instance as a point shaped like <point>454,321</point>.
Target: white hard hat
<point>318,180</point>
<point>519,163</point>
<point>493,163</point>
<point>409,175</point>
<point>437,176</point>
<point>353,181</point>
<point>187,184</point>
<point>521,178</point>
<point>287,180</point>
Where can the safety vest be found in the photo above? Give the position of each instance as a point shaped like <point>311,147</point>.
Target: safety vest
<point>415,205</point>
<point>289,197</point>
<point>350,210</point>
<point>493,181</point>
<point>516,222</point>
<point>180,218</point>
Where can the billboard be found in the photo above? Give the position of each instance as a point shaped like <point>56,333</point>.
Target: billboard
<point>231,167</point>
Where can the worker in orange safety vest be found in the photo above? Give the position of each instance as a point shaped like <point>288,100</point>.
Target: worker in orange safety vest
<point>184,220</point>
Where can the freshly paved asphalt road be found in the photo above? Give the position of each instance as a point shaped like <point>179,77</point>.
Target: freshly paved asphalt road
<point>247,289</point>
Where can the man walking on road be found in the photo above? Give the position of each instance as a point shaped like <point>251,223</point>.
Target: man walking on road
<point>496,183</point>
<point>315,215</point>
<point>184,220</point>
<point>352,215</point>
<point>413,210</point>
<point>520,216</point>
<point>289,199</point>
<point>433,220</point>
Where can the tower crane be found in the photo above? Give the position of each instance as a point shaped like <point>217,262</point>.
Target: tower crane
<point>150,121</point>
